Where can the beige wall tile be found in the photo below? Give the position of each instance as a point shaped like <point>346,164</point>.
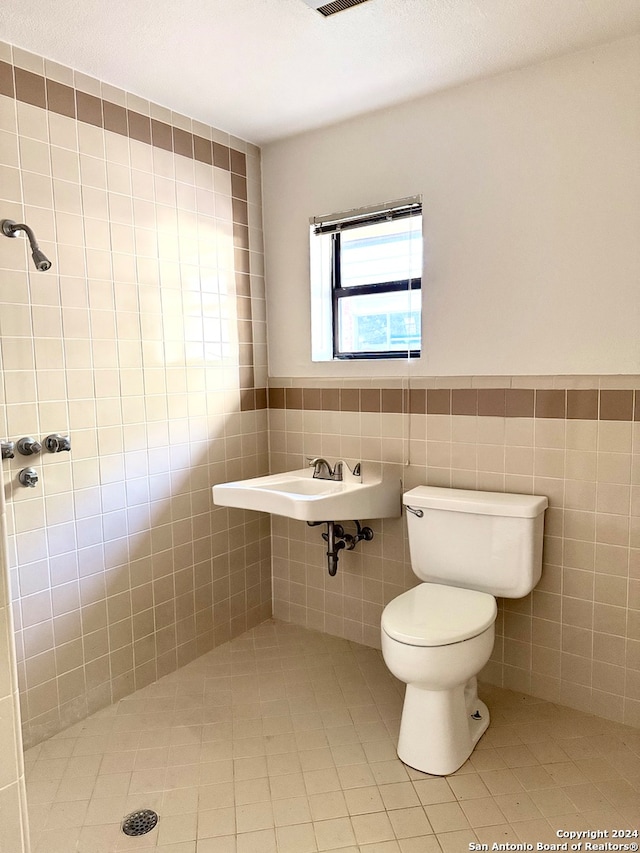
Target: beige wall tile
<point>100,374</point>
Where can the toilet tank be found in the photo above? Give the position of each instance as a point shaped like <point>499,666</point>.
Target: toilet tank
<point>489,541</point>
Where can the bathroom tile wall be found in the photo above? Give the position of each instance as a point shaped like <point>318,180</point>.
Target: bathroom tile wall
<point>146,344</point>
<point>14,835</point>
<point>576,638</point>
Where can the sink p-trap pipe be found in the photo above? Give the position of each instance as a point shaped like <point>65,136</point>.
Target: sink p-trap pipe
<point>333,547</point>
<point>337,539</point>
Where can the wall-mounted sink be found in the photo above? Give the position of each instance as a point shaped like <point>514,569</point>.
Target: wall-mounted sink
<point>298,494</point>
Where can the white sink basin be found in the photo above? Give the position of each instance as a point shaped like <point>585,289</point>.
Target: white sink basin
<point>297,494</point>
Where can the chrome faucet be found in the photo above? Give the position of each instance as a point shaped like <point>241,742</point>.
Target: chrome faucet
<point>323,471</point>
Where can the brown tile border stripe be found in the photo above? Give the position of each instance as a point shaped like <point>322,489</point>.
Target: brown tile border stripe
<point>582,405</point>
<point>617,405</point>
<point>551,403</point>
<point>590,404</point>
<point>252,399</point>
<point>58,98</point>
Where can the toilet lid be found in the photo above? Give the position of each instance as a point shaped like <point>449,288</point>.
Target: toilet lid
<point>431,614</point>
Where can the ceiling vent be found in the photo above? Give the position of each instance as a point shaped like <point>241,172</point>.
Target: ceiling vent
<point>333,6</point>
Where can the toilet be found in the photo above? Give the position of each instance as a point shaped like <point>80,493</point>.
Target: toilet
<point>467,547</point>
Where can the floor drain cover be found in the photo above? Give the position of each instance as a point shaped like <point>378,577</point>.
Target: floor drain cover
<point>139,823</point>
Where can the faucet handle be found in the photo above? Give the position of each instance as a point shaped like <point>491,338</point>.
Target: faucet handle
<point>28,477</point>
<point>56,443</point>
<point>352,474</point>
<point>28,446</point>
<point>8,449</point>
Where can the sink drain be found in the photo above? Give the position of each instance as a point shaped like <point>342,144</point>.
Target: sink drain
<point>139,823</point>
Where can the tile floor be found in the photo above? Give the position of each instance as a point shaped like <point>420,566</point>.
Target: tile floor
<point>283,740</point>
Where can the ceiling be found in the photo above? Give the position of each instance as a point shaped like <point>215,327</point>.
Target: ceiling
<point>265,69</point>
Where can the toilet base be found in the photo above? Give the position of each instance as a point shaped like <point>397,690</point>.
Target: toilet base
<point>440,728</point>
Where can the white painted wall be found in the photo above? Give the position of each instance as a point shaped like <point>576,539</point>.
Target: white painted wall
<point>531,185</point>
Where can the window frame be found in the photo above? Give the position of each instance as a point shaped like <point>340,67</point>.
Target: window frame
<point>335,225</point>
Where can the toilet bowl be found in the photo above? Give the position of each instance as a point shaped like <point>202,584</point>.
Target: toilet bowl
<point>436,639</point>
<point>466,547</point>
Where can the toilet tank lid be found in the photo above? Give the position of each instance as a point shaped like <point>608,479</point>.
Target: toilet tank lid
<point>482,503</point>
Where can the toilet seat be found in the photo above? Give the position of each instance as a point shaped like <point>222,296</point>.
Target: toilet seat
<point>432,614</point>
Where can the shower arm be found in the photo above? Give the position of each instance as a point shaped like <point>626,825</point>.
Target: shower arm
<point>11,228</point>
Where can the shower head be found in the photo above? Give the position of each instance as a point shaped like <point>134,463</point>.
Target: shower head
<point>10,229</point>
<point>41,261</point>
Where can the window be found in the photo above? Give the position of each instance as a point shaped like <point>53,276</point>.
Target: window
<point>366,275</point>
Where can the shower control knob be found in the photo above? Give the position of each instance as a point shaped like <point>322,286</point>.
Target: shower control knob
<point>28,477</point>
<point>56,443</point>
<point>28,446</point>
<point>8,449</point>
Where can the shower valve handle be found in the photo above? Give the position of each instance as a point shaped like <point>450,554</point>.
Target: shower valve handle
<point>28,477</point>
<point>56,443</point>
<point>28,446</point>
<point>8,449</point>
